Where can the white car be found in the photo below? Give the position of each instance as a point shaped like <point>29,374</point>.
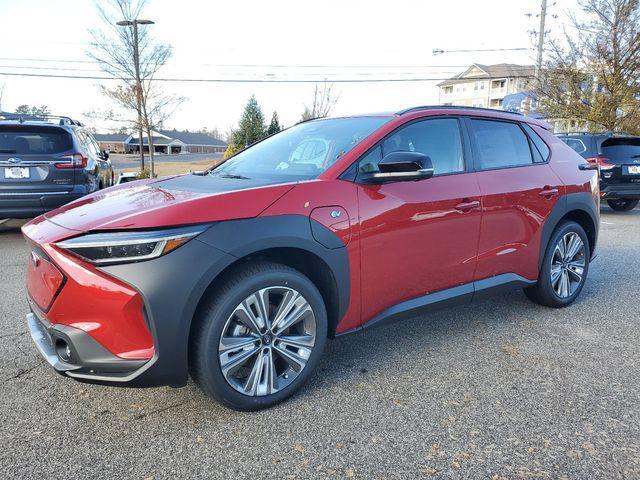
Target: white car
<point>126,177</point>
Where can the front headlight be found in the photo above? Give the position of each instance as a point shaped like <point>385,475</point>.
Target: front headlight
<point>134,246</point>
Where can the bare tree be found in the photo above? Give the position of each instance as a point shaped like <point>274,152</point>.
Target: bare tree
<point>593,71</point>
<point>323,102</point>
<point>129,54</point>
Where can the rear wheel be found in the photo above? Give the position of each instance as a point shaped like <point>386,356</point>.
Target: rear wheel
<point>623,204</point>
<point>564,267</point>
<point>259,337</point>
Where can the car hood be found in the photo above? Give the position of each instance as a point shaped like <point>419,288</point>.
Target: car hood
<point>181,200</point>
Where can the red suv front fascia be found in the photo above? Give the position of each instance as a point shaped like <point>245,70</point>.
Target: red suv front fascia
<point>376,252</point>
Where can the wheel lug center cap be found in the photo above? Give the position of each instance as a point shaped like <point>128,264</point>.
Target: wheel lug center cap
<point>267,339</point>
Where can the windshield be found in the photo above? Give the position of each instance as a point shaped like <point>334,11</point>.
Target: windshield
<point>301,152</point>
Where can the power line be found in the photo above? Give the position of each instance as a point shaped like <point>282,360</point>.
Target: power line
<point>47,60</point>
<point>362,74</point>
<point>231,80</point>
<point>248,65</point>
<point>49,68</point>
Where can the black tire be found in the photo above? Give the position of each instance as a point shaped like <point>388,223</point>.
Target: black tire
<point>623,204</point>
<point>204,362</point>
<point>543,292</point>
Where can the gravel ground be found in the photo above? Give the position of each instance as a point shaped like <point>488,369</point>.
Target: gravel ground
<point>500,389</point>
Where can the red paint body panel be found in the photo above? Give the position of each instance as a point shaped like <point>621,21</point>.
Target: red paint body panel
<point>308,196</point>
<point>414,241</point>
<point>105,308</point>
<point>145,206</point>
<point>43,281</point>
<point>513,214</point>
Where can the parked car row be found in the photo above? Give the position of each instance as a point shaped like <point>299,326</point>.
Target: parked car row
<point>238,275</point>
<point>46,162</point>
<point>618,157</point>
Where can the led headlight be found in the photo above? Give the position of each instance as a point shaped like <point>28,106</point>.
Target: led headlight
<point>133,246</point>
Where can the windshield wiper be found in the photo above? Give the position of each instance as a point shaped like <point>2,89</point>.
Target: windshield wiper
<point>7,151</point>
<point>230,175</point>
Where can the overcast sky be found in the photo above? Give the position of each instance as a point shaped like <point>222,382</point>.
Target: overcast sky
<point>288,38</point>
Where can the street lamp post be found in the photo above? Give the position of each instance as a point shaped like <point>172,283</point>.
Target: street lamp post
<point>136,63</point>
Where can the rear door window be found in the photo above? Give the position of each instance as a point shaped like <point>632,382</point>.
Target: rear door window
<point>500,144</point>
<point>622,149</point>
<point>30,140</point>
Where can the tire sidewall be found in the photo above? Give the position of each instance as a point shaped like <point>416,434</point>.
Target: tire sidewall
<point>545,276</point>
<point>629,204</point>
<point>217,317</point>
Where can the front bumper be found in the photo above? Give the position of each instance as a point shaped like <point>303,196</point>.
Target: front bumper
<point>72,352</point>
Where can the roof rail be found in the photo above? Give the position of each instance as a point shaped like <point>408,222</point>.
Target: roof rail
<point>453,107</point>
<point>595,133</point>
<point>23,117</point>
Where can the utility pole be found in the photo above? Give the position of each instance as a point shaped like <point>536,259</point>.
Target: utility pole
<point>543,18</point>
<point>136,63</point>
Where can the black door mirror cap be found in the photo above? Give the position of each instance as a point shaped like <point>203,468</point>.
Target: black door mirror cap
<point>400,166</point>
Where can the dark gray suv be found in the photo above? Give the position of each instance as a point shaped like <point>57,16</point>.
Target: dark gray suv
<point>618,156</point>
<point>46,162</point>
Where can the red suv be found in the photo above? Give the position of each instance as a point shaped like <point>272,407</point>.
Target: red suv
<point>238,275</point>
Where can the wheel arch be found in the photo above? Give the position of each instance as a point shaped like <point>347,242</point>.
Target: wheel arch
<point>578,207</point>
<point>582,218</point>
<point>288,240</point>
<point>300,259</point>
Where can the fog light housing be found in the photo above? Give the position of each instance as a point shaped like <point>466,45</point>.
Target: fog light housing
<point>64,351</point>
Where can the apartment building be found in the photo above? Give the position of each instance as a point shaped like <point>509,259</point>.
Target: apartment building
<point>485,86</point>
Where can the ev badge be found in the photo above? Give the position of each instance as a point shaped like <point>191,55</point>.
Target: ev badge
<point>335,213</point>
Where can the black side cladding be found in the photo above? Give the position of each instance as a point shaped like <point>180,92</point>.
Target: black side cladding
<point>573,202</point>
<point>173,285</point>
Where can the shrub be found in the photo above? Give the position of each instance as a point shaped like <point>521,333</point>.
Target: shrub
<point>232,149</point>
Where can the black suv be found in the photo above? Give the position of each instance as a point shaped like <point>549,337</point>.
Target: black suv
<point>45,162</point>
<point>619,158</point>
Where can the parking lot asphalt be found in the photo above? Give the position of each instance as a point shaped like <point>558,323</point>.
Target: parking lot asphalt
<point>498,389</point>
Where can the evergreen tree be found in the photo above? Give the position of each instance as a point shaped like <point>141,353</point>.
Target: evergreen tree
<point>28,110</point>
<point>251,127</point>
<point>274,126</point>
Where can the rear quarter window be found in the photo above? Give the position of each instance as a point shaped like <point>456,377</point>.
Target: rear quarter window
<point>540,149</point>
<point>28,140</point>
<point>575,143</point>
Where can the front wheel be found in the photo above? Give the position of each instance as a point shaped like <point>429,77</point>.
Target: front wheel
<point>259,336</point>
<point>564,267</point>
<point>623,204</point>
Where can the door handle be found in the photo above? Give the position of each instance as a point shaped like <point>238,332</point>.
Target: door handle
<point>466,206</point>
<point>548,192</point>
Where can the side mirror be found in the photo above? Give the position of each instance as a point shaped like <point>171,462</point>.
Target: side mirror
<point>401,167</point>
<point>105,154</point>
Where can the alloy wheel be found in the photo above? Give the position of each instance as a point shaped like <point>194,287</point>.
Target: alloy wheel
<point>567,265</point>
<point>267,341</point>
